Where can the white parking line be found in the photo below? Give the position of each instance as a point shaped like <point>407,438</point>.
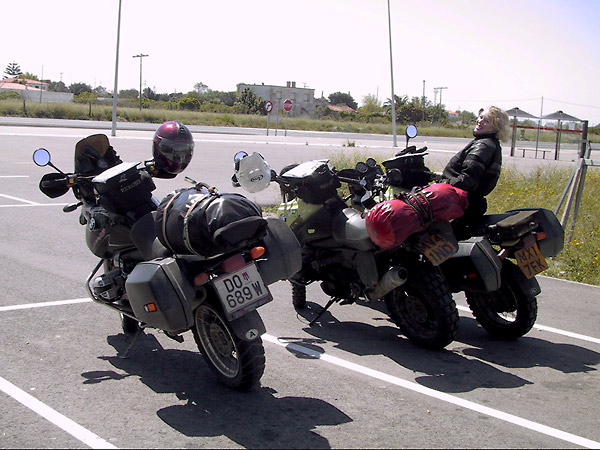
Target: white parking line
<point>10,197</point>
<point>95,442</point>
<point>568,437</point>
<point>74,429</point>
<point>550,329</point>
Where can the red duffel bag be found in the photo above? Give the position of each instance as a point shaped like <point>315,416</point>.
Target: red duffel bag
<point>389,223</point>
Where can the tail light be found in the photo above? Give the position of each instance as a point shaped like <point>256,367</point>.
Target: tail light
<point>257,252</point>
<point>233,263</point>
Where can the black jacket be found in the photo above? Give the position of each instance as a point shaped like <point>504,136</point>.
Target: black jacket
<point>476,168</point>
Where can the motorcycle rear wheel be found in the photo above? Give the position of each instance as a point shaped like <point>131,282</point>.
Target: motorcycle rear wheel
<point>506,313</point>
<point>424,309</point>
<point>237,363</point>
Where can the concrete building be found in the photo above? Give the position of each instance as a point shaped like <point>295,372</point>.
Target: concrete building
<point>303,99</point>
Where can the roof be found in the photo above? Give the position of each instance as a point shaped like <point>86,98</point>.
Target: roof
<point>516,112</point>
<point>342,107</point>
<point>17,86</point>
<point>559,115</point>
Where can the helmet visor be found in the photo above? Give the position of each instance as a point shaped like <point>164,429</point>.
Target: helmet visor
<point>176,151</point>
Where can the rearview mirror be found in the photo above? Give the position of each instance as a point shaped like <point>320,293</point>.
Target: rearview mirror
<point>41,157</point>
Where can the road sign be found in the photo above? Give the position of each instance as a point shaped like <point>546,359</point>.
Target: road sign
<point>287,105</point>
<point>268,106</point>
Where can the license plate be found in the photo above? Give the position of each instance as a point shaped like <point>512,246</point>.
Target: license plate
<point>242,291</point>
<point>437,248</point>
<point>531,261</point>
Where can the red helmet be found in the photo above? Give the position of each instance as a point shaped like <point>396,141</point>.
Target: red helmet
<point>172,149</point>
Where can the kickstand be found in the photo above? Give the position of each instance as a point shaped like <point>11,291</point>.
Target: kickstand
<point>133,341</point>
<point>329,303</point>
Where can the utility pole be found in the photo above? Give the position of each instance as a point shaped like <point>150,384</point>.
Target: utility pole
<point>440,89</point>
<point>423,119</point>
<point>141,57</point>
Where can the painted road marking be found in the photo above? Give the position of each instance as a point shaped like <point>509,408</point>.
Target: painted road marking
<point>568,437</point>
<point>10,197</point>
<point>550,329</point>
<point>95,442</point>
<point>50,414</point>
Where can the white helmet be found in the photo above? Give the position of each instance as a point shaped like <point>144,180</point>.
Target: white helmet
<point>252,172</point>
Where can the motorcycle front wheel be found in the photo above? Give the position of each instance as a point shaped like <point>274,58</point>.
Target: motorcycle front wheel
<point>506,313</point>
<point>237,363</point>
<point>424,309</point>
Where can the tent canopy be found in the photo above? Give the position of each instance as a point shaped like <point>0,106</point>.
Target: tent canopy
<point>563,117</point>
<point>516,112</point>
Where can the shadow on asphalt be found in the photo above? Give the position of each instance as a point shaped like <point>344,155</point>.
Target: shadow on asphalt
<point>475,359</point>
<point>253,419</point>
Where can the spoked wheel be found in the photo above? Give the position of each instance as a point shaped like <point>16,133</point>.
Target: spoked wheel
<point>237,363</point>
<point>506,313</point>
<point>424,309</point>
<point>298,295</point>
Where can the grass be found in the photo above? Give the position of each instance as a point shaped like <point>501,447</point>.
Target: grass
<point>541,187</point>
<point>103,112</point>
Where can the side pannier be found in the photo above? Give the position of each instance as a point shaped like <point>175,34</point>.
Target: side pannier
<point>197,222</point>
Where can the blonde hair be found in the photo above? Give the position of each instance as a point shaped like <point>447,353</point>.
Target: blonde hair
<point>500,122</point>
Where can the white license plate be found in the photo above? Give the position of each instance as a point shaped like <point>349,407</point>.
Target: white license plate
<point>242,291</point>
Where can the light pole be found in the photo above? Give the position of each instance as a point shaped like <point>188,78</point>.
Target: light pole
<point>392,77</point>
<point>141,57</point>
<point>114,109</point>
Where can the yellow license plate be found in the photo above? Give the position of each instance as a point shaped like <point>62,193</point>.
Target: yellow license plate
<point>436,248</point>
<point>531,261</point>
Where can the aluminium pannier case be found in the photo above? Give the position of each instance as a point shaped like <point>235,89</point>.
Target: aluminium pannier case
<point>193,222</point>
<point>160,295</point>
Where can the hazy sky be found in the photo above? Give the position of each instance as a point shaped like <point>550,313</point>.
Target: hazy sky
<point>510,52</point>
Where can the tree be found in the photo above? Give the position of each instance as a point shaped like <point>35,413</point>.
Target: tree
<point>340,98</point>
<point>201,88</point>
<point>13,70</point>
<point>78,88</point>
<point>57,86</point>
<point>371,104</point>
<point>252,103</point>
<point>129,93</point>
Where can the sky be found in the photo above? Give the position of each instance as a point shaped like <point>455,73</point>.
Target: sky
<point>538,55</point>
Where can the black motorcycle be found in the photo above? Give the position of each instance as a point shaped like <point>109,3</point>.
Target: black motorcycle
<point>198,260</point>
<point>496,265</point>
<point>338,252</point>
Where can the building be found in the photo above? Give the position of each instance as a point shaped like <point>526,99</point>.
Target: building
<point>34,91</point>
<point>303,99</point>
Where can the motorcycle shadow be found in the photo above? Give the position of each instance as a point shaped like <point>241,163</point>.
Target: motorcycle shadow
<point>205,408</point>
<point>527,351</point>
<point>447,370</point>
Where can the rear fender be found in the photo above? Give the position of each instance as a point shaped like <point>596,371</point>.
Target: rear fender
<point>249,326</point>
<point>528,286</point>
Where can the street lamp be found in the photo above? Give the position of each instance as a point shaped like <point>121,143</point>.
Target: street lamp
<point>114,110</point>
<point>141,57</point>
<point>392,77</point>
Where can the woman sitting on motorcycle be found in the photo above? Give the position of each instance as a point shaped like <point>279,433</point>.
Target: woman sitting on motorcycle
<point>476,168</point>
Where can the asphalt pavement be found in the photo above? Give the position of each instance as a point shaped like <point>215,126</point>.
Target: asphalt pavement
<point>350,381</point>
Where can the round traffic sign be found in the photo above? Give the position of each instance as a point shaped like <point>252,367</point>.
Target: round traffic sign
<point>287,105</point>
<point>268,106</point>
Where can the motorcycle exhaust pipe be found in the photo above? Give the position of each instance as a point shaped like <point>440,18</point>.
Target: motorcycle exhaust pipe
<point>392,279</point>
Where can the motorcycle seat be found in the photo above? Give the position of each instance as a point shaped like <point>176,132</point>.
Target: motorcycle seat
<point>349,228</point>
<point>143,235</point>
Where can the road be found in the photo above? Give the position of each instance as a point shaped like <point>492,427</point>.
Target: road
<point>351,381</point>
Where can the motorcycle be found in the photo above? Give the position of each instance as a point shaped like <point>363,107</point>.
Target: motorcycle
<point>497,261</point>
<point>154,280</point>
<point>338,252</point>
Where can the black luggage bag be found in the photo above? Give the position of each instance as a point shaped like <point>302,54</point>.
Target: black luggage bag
<point>196,222</point>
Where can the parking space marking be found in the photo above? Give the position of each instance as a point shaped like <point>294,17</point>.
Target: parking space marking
<point>92,440</point>
<point>10,197</point>
<point>550,329</point>
<point>562,435</point>
<point>74,429</point>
